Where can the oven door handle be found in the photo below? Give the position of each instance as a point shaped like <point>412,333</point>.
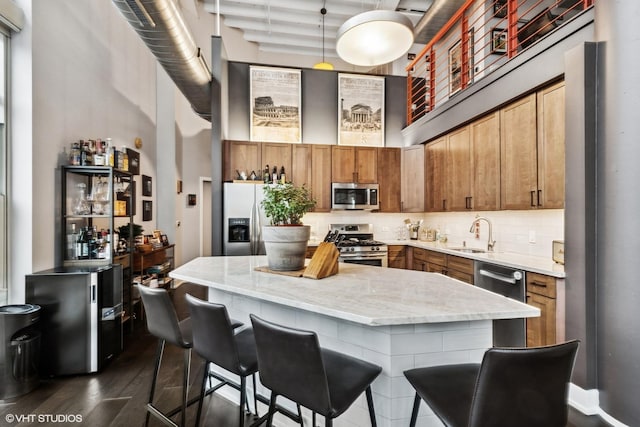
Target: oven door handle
<point>501,277</point>
<point>376,256</point>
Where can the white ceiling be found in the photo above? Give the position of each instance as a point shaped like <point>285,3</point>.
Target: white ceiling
<point>295,26</point>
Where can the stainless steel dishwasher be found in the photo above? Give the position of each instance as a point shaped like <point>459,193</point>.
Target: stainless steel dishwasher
<point>509,282</point>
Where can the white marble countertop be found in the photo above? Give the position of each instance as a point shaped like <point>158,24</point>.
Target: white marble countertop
<point>363,294</point>
<point>536,264</point>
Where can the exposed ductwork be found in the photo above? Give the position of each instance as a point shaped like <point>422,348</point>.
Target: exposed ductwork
<point>435,18</point>
<point>162,28</point>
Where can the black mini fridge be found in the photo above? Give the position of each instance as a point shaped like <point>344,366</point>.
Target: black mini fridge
<point>81,317</point>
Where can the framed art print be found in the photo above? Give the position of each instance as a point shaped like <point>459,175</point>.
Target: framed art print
<point>146,186</point>
<point>499,41</point>
<point>360,110</point>
<point>455,68</point>
<point>275,104</point>
<point>147,210</point>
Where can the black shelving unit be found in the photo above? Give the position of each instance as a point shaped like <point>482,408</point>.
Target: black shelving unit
<point>109,197</point>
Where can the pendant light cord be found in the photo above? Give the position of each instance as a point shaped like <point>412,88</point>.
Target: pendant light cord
<point>323,11</point>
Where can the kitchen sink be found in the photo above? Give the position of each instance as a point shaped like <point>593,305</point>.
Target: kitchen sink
<point>470,250</point>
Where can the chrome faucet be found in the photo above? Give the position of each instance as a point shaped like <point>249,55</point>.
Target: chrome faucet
<point>490,243</point>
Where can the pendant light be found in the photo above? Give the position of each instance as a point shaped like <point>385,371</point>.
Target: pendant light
<point>375,37</point>
<point>324,65</point>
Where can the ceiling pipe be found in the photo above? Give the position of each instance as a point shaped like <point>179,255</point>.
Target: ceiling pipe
<point>435,18</point>
<point>162,28</point>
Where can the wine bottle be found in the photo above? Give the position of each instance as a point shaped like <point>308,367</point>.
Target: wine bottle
<point>82,244</point>
<point>282,175</point>
<point>274,179</point>
<point>266,174</point>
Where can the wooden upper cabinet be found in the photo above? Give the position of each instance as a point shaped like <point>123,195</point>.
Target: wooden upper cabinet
<point>321,176</point>
<point>485,163</point>
<point>389,161</point>
<point>518,157</point>
<point>551,147</point>
<point>276,154</point>
<point>533,151</point>
<point>300,173</point>
<point>354,164</point>
<point>436,176</point>
<point>240,156</point>
<point>458,158</point>
<point>413,179</point>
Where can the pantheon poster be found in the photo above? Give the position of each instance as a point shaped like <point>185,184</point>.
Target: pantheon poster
<point>275,104</point>
<point>361,110</point>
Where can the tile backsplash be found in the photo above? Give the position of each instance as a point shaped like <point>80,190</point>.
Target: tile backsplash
<point>527,232</point>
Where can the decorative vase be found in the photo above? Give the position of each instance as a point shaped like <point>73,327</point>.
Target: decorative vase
<point>286,246</point>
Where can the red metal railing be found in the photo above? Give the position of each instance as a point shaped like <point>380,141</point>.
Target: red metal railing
<point>479,37</point>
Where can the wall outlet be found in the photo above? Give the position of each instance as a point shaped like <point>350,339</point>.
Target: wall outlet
<point>532,236</point>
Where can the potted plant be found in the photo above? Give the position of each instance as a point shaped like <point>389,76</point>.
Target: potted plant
<point>286,238</point>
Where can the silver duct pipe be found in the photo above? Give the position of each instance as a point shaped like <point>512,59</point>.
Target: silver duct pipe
<point>162,28</point>
<point>435,18</point>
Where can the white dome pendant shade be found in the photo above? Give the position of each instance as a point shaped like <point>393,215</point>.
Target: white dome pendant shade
<point>375,37</point>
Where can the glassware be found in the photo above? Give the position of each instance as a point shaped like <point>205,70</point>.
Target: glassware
<point>81,206</point>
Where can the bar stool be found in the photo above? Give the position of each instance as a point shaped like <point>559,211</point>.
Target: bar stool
<point>524,387</point>
<point>292,364</point>
<point>216,342</point>
<point>162,322</point>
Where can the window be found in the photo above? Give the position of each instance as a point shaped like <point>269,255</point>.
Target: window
<point>4,43</point>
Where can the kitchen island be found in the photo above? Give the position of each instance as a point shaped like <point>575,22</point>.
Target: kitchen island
<point>399,319</point>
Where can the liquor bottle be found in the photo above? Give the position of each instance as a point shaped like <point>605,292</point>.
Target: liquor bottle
<point>282,175</point>
<point>125,159</point>
<point>82,244</point>
<point>71,243</point>
<point>274,178</point>
<point>266,174</point>
<point>110,152</point>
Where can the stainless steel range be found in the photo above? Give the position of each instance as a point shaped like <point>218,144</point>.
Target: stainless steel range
<point>356,245</point>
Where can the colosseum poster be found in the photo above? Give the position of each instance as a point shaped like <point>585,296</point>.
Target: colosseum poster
<point>361,110</point>
<point>275,105</point>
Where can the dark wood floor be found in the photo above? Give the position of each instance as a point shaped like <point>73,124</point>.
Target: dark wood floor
<point>117,396</point>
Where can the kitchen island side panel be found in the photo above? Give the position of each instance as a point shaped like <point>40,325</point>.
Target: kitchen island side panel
<point>395,348</point>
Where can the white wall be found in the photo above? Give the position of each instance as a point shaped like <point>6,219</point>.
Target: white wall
<point>91,77</point>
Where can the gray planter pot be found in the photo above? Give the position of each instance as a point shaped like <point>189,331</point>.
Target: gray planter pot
<point>286,246</point>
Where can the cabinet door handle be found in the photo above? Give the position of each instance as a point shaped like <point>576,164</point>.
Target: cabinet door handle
<point>444,204</point>
<point>539,197</point>
<point>532,195</point>
<point>536,283</point>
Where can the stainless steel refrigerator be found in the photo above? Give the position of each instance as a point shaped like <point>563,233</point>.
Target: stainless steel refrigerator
<point>81,317</point>
<point>243,219</point>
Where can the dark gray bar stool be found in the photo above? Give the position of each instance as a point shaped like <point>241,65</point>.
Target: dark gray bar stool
<point>292,364</point>
<point>162,322</point>
<point>216,342</point>
<point>524,387</point>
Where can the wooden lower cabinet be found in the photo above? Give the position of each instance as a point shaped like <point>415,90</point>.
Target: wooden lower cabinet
<point>542,293</point>
<point>460,268</point>
<point>437,262</point>
<point>397,255</point>
<point>418,260</point>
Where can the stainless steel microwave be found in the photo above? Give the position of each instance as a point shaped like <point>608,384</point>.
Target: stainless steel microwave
<point>354,196</point>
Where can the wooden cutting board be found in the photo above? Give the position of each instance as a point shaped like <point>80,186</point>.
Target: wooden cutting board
<point>265,269</point>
